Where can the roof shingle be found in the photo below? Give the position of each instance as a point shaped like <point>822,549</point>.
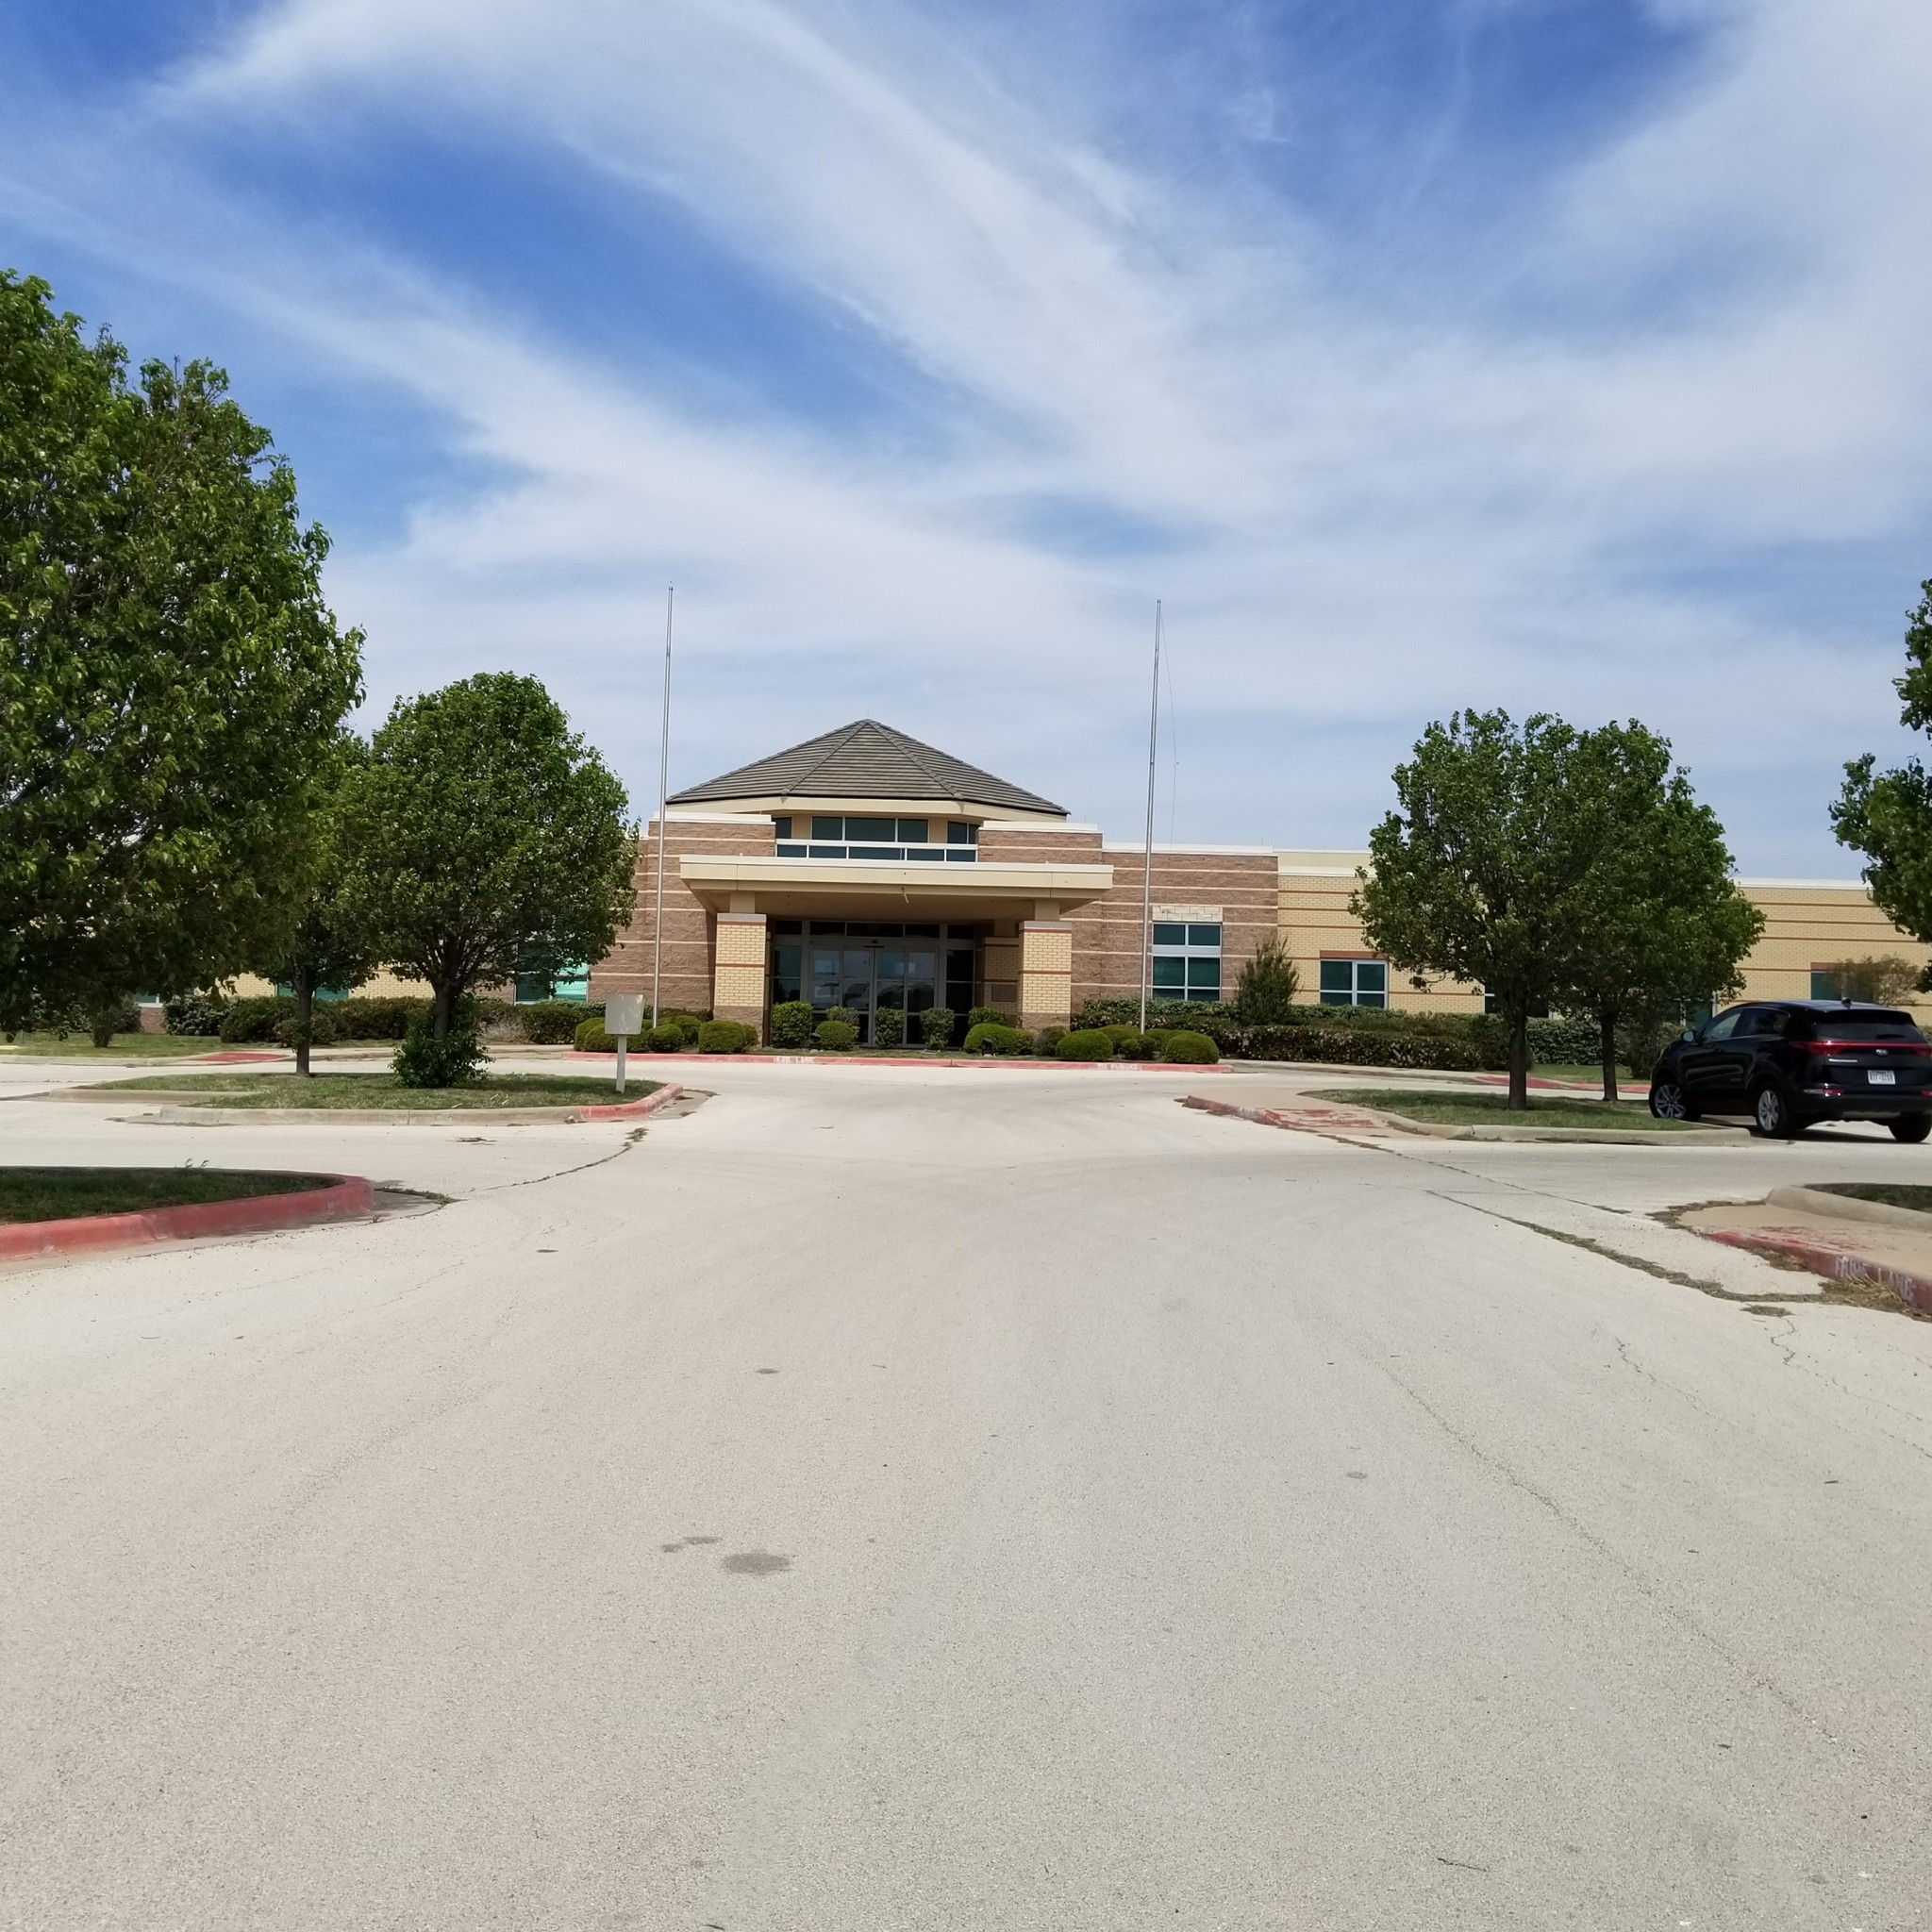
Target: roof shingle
<point>865,759</point>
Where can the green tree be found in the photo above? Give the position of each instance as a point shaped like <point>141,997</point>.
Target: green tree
<point>326,946</point>
<point>484,838</point>
<point>1661,926</point>
<point>168,673</point>
<point>1481,874</point>
<point>1887,815</point>
<point>1882,979</point>
<point>1265,992</point>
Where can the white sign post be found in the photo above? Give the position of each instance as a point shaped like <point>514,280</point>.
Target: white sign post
<point>623,1014</point>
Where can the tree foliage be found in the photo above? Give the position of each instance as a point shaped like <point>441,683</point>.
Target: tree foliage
<point>325,947</point>
<point>1479,873</point>
<point>1881,979</point>
<point>484,838</point>
<point>1887,815</point>
<point>1554,868</point>
<point>169,671</point>
<point>1662,929</point>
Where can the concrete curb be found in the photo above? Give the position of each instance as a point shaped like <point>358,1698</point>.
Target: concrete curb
<point>1835,1263</point>
<point>1371,1120</point>
<point>1848,1208</point>
<point>404,1117</point>
<point>349,1197</point>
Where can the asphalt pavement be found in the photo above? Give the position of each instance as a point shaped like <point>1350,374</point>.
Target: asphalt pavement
<point>955,1499</point>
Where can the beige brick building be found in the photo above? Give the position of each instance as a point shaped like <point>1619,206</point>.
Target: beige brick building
<point>865,869</point>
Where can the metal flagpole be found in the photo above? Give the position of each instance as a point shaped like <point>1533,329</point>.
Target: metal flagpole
<point>663,785</point>
<point>1148,862</point>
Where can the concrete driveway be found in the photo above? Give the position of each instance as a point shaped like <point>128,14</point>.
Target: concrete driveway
<point>958,1499</point>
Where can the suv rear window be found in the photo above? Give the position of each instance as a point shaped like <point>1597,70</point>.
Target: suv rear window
<point>1856,1028</point>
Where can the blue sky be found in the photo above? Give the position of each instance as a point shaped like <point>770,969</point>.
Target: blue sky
<point>1558,354</point>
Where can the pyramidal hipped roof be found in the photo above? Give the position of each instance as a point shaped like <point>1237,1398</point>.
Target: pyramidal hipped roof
<point>865,759</point>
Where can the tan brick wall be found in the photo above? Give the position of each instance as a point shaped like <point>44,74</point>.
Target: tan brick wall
<point>1107,934</point>
<point>738,977</point>
<point>688,945</point>
<point>1808,925</point>
<point>1046,972</point>
<point>1315,919</point>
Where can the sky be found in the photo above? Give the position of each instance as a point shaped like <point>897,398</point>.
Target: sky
<point>1556,355</point>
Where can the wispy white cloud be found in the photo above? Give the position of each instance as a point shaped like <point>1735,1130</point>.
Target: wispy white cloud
<point>1368,498</point>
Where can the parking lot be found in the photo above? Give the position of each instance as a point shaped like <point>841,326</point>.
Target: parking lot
<point>962,1497</point>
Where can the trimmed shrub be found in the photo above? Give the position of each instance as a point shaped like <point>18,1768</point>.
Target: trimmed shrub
<point>1087,1043</point>
<point>727,1036</point>
<point>663,1038</point>
<point>989,1037</point>
<point>322,1029</point>
<point>836,1035</point>
<point>249,1021</point>
<point>1203,1016</point>
<point>117,1016</point>
<point>935,1028</point>
<point>377,1019</point>
<point>422,1060</point>
<point>1131,1043</point>
<point>988,1016</point>
<point>592,1037</point>
<point>1049,1038</point>
<point>792,1024</point>
<point>1182,1049</point>
<point>888,1028</point>
<point>555,1022</point>
<point>1360,1046</point>
<point>196,1014</point>
<point>1565,1043</point>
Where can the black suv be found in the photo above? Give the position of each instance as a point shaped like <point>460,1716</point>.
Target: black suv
<point>1790,1063</point>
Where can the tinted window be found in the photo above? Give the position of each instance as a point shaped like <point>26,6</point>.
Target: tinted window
<point>1767,1019</point>
<point>1862,1026</point>
<point>1724,1026</point>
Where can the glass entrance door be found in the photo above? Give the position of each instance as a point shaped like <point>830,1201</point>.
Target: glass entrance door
<point>868,977</point>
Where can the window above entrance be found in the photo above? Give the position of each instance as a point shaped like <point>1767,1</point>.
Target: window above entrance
<point>822,835</point>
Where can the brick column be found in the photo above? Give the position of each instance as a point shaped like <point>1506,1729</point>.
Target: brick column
<point>738,979</point>
<point>1046,972</point>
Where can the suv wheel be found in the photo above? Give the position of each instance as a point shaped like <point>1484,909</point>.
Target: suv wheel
<point>1911,1127</point>
<point>1669,1102</point>
<point>1772,1115</point>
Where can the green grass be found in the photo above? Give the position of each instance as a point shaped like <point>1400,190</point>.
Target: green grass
<point>78,1046</point>
<point>384,1090</point>
<point>62,1193</point>
<point>1452,1108</point>
<point>1889,1193</point>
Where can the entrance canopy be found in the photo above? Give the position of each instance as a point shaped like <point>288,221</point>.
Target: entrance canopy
<point>854,888</point>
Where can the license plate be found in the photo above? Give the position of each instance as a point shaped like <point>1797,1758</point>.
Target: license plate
<point>1878,1079</point>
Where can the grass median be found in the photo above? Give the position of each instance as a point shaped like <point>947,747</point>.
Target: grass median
<point>67,1193</point>
<point>1451,1108</point>
<point>380,1090</point>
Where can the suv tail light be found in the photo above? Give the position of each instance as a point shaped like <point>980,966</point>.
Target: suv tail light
<point>1823,1046</point>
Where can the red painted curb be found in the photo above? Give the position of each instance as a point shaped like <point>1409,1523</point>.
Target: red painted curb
<point>1915,1290</point>
<point>842,1059</point>
<point>350,1196</point>
<point>632,1110</point>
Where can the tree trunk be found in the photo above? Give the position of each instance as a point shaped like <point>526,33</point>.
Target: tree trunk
<point>443,1011</point>
<point>305,1019</point>
<point>1608,1021</point>
<point>1519,1063</point>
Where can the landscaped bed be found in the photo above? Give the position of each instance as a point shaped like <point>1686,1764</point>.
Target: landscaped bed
<point>1885,1193</point>
<point>378,1090</point>
<point>1456,1110</point>
<point>78,1046</point>
<point>64,1193</point>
